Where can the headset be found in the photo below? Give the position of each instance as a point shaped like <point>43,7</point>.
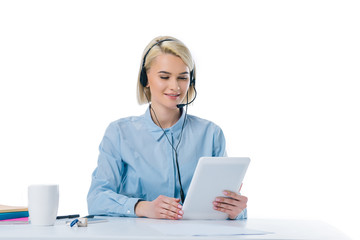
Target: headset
<point>144,82</point>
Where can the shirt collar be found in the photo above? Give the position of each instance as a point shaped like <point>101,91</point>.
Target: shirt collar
<point>157,132</point>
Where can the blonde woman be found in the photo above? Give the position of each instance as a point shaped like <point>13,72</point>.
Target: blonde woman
<point>146,162</point>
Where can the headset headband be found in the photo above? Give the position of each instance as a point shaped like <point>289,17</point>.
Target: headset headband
<point>157,43</point>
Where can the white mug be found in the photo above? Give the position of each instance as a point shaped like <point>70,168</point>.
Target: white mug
<point>43,203</point>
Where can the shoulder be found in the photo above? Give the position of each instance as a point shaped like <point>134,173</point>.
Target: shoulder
<point>126,120</point>
<point>203,123</point>
<point>209,134</point>
<point>125,123</point>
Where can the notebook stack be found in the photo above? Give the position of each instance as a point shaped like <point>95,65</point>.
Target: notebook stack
<point>13,215</point>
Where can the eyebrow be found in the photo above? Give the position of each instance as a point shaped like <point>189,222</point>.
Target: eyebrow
<point>170,73</point>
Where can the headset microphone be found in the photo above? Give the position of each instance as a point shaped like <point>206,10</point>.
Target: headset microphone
<point>185,104</point>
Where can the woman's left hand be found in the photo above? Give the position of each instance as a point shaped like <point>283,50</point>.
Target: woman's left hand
<point>233,204</point>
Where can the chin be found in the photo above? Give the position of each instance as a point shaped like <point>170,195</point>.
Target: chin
<point>173,106</point>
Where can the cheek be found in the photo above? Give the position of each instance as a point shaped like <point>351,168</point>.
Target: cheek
<point>155,85</point>
<point>184,85</point>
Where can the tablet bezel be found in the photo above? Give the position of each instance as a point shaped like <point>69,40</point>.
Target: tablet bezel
<point>213,175</point>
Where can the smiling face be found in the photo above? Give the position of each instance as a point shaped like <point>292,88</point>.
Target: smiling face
<point>168,80</point>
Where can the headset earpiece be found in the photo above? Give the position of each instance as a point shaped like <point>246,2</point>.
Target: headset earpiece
<point>143,77</point>
<point>192,78</point>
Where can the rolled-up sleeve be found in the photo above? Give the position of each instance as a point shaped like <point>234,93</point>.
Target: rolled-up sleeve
<point>242,215</point>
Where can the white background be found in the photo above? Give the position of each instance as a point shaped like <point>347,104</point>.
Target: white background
<point>280,78</point>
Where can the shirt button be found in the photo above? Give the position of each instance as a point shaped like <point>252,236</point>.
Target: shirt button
<point>128,211</point>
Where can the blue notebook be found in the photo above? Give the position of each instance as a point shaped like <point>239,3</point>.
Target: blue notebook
<point>11,215</point>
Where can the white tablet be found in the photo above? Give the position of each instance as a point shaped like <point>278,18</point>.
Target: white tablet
<point>212,176</point>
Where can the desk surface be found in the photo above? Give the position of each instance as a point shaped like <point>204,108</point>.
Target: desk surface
<point>141,228</point>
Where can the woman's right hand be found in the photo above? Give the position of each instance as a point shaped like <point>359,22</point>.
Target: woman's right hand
<point>162,207</point>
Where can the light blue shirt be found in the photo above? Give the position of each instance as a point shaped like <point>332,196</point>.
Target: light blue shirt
<point>136,161</point>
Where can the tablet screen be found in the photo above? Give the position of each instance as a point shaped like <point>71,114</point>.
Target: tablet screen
<point>212,176</point>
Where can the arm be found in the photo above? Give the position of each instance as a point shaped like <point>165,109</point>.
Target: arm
<point>103,196</point>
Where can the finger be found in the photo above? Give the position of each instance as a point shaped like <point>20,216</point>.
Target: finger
<point>241,198</point>
<point>241,201</point>
<point>165,216</point>
<point>172,201</point>
<point>168,210</point>
<point>232,211</point>
<point>173,206</point>
<point>232,194</point>
<point>170,214</point>
<point>240,187</point>
<point>228,201</point>
<point>223,207</point>
<point>174,211</point>
<point>227,204</point>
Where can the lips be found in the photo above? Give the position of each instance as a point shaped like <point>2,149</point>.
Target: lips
<point>172,95</point>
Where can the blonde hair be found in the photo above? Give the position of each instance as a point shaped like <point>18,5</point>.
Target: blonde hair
<point>172,46</point>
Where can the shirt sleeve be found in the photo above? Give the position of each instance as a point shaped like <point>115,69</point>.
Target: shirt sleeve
<point>103,197</point>
<point>219,143</point>
<point>242,215</point>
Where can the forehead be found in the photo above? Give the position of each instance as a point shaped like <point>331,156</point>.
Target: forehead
<point>168,62</point>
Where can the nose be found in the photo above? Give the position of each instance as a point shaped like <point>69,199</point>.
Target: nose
<point>174,85</point>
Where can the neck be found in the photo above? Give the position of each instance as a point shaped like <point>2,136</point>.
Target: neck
<point>164,118</point>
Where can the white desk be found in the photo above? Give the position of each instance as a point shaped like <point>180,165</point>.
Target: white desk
<point>141,228</point>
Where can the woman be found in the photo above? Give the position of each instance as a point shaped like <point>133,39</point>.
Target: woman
<point>146,162</point>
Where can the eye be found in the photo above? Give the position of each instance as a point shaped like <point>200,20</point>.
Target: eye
<point>182,78</point>
<point>164,77</point>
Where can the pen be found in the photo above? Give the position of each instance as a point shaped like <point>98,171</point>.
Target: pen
<point>68,216</point>
<point>74,222</point>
